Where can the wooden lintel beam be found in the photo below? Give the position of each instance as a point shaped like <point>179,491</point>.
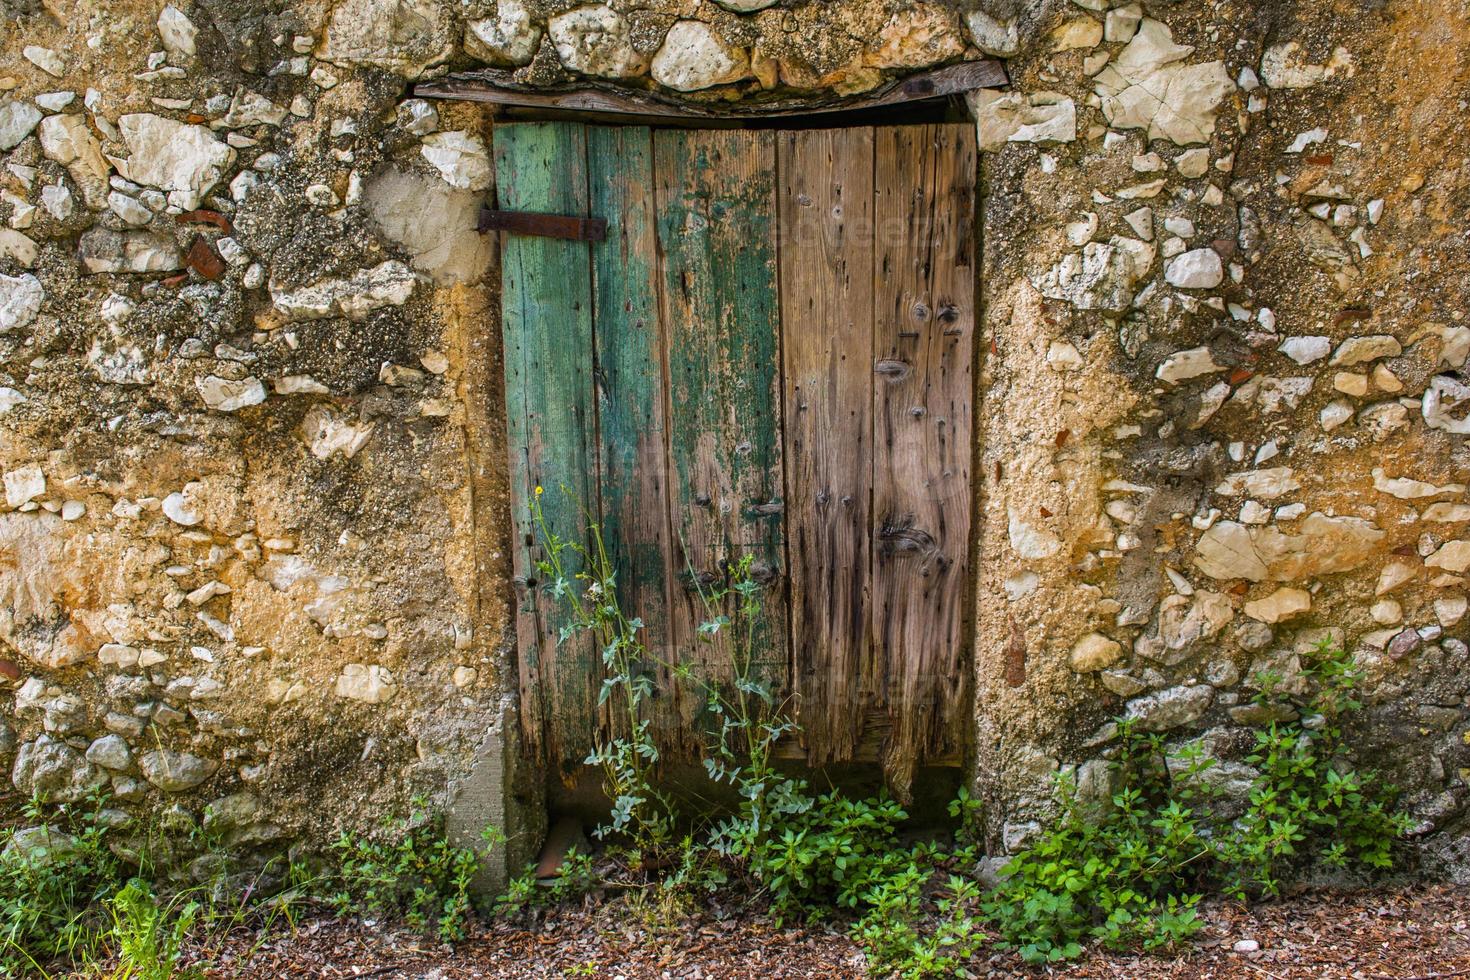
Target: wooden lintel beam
<point>498,87</point>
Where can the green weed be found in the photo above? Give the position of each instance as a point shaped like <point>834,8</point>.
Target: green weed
<point>1132,872</point>
<point>149,934</point>
<point>411,872</point>
<point>54,879</point>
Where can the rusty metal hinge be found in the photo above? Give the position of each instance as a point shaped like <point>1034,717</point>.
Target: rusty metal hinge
<point>543,225</point>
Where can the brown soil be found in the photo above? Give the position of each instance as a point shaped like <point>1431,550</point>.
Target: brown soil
<point>1421,932</point>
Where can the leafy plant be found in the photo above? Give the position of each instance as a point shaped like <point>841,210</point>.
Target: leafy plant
<point>581,577</point>
<point>751,723</point>
<point>1128,870</point>
<point>54,878</point>
<point>1109,876</point>
<point>748,717</point>
<point>149,935</point>
<point>412,872</point>
<point>1311,805</point>
<point>831,853</point>
<point>902,940</point>
<point>575,876</point>
<point>1132,871</point>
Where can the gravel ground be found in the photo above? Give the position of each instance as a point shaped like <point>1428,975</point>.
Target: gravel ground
<point>1421,932</point>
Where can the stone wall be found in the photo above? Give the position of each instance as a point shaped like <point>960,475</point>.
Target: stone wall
<point>253,536</point>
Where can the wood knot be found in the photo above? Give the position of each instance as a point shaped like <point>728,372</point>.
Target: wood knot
<point>902,538</point>
<point>893,369</point>
<point>701,581</point>
<point>762,573</point>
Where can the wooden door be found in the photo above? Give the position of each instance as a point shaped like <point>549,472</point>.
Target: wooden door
<point>769,355</point>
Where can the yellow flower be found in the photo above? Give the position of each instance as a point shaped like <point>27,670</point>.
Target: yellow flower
<point>538,491</point>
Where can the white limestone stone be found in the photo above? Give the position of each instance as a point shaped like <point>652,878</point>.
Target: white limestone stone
<point>21,248</point>
<point>403,36</point>
<point>1335,413</point>
<point>509,38</point>
<point>1122,23</point>
<point>1185,364</point>
<point>1016,117</point>
<point>1450,610</point>
<point>23,484</point>
<point>993,35</point>
<point>17,119</point>
<point>300,384</point>
<point>182,159</point>
<point>1360,350</point>
<point>1094,652</point>
<point>1386,612</point>
<point>1405,488</point>
<point>9,398</point>
<point>1031,542</point>
<point>103,250</point>
<point>249,108</point>
<point>1079,32</point>
<point>66,139</point>
<point>1444,402</point>
<point>417,117</point>
<point>1393,575</point>
<point>45,59</point>
<point>1080,232</point>
<point>1267,484</point>
<point>177,32</point>
<point>1280,605</point>
<point>1287,65</point>
<point>1145,87</point>
<point>1452,556</point>
<point>596,40</point>
<point>460,158</point>
<point>1103,276</point>
<point>390,283</point>
<point>1305,350</point>
<point>20,301</point>
<point>1193,164</point>
<point>373,684</point>
<point>1322,545</point>
<point>1063,356</point>
<point>1142,222</point>
<point>116,309</point>
<point>694,57</point>
<point>227,395</point>
<point>129,209</point>
<point>327,431</point>
<point>1198,268</point>
<point>1446,512</point>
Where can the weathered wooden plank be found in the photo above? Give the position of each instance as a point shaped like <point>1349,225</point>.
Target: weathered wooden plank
<point>550,420</point>
<point>499,87</point>
<point>631,403</point>
<point>924,208</point>
<point>826,212</point>
<point>716,231</point>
